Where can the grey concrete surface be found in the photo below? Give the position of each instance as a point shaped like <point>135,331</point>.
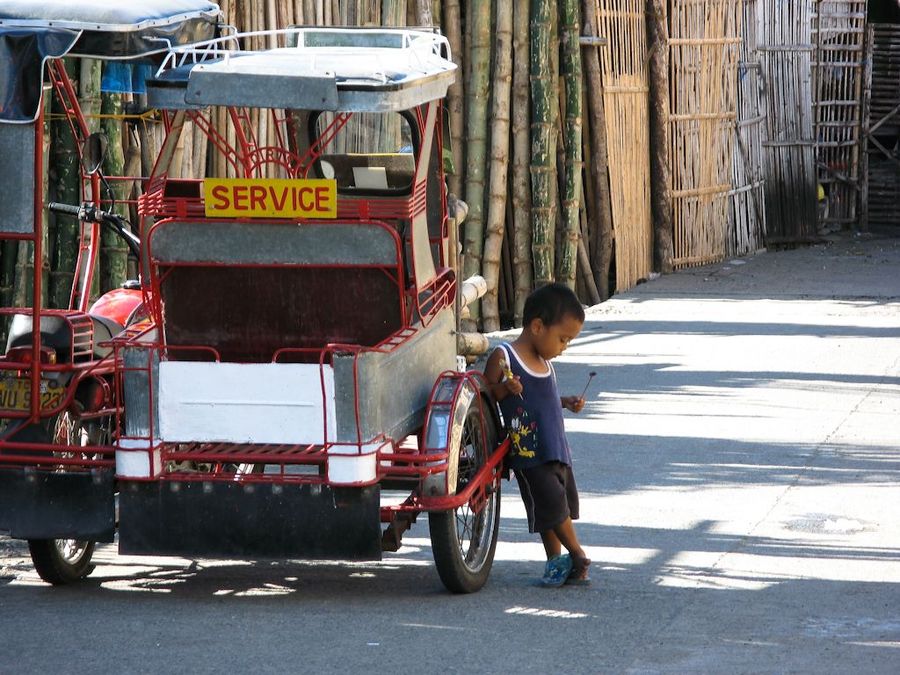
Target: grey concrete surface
<point>738,463</point>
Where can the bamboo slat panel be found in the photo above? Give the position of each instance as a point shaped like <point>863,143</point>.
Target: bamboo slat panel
<point>881,121</point>
<point>885,84</point>
<point>784,33</point>
<point>748,217</point>
<point>704,50</point>
<point>839,29</point>
<point>625,94</point>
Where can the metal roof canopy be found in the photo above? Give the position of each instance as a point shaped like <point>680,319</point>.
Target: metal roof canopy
<point>345,69</point>
<point>113,28</point>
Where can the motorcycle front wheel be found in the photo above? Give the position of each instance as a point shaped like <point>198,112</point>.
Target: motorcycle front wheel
<point>65,561</point>
<point>61,561</point>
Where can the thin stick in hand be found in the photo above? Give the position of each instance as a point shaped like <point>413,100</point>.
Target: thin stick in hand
<point>590,377</point>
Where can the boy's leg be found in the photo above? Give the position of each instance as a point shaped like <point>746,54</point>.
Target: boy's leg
<point>552,545</point>
<point>564,534</point>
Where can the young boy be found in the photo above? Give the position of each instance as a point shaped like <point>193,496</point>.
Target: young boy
<point>524,383</point>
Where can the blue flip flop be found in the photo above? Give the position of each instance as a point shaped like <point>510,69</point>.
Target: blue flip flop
<point>557,571</point>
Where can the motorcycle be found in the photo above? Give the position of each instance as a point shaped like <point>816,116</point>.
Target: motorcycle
<point>56,457</point>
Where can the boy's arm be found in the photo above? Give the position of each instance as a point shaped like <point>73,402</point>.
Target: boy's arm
<point>501,385</point>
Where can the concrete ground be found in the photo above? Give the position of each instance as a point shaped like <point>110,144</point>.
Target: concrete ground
<point>739,468</point>
<point>740,463</point>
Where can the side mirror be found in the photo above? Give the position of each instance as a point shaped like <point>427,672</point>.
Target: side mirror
<point>93,152</point>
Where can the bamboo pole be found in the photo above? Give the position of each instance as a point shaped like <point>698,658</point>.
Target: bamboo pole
<point>585,274</point>
<point>543,160</point>
<point>67,189</point>
<point>571,199</point>
<point>423,13</point>
<point>113,251</point>
<point>455,94</point>
<point>521,159</point>
<point>499,161</point>
<point>479,13</point>
<point>601,249</point>
<point>660,171</point>
<point>393,12</point>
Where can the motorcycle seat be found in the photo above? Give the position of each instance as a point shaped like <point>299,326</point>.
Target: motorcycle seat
<point>56,333</point>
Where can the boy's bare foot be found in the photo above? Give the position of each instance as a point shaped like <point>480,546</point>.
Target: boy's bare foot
<point>579,575</point>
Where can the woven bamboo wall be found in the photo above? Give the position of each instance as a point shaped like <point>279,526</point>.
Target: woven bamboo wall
<point>748,217</point>
<point>625,91</point>
<point>704,46</point>
<point>839,28</point>
<point>784,32</point>
<point>881,118</point>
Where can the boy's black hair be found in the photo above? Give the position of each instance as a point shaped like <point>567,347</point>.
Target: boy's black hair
<point>551,304</point>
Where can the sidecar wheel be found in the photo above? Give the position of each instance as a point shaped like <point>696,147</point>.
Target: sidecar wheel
<point>61,561</point>
<point>463,541</point>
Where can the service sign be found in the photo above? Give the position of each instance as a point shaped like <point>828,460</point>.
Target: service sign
<point>270,197</point>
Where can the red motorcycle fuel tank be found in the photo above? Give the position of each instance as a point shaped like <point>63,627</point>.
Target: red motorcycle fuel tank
<point>120,304</point>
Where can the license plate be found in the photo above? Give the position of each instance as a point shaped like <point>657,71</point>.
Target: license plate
<point>15,394</point>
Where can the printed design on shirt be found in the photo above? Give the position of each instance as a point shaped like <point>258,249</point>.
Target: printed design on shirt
<point>523,434</point>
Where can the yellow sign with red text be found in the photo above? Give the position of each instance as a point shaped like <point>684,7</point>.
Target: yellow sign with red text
<point>270,197</point>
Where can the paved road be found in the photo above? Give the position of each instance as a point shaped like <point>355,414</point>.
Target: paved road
<point>738,463</point>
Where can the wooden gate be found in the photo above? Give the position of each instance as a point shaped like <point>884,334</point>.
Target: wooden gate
<point>748,217</point>
<point>839,28</point>
<point>881,118</point>
<point>704,49</point>
<point>626,98</point>
<point>785,52</point>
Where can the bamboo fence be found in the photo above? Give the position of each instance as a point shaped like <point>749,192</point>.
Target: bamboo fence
<point>550,142</point>
<point>625,91</point>
<point>881,118</point>
<point>838,30</point>
<point>704,44</point>
<point>784,31</point>
<point>747,219</point>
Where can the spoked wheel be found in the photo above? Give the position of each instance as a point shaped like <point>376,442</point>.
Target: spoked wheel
<point>61,561</point>
<point>65,561</point>
<point>463,540</point>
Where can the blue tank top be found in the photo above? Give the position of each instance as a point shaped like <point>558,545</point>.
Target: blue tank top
<point>534,421</point>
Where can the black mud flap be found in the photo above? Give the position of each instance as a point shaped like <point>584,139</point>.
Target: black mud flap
<point>249,520</point>
<point>58,505</point>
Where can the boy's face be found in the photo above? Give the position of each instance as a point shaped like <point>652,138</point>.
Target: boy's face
<point>551,341</point>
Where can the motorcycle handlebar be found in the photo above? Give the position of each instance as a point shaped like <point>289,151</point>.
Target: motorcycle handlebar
<point>65,208</point>
<point>90,213</point>
<point>87,212</point>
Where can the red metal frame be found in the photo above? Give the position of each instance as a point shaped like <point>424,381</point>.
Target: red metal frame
<point>54,456</point>
<point>429,298</point>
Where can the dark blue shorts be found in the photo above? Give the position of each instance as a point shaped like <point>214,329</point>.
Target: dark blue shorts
<point>549,493</point>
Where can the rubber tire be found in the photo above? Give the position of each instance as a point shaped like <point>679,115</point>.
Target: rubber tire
<point>455,574</point>
<point>53,568</point>
<point>49,563</point>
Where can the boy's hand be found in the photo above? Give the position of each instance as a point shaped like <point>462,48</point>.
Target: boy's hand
<point>573,403</point>
<point>513,385</point>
